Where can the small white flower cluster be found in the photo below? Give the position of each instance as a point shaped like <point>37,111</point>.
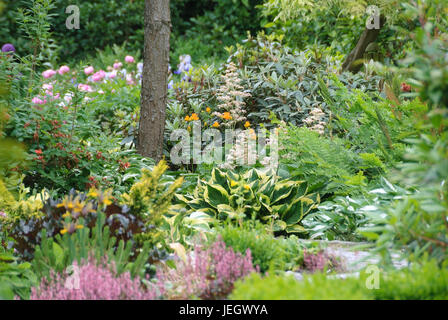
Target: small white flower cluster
<point>231,97</point>
<point>315,121</point>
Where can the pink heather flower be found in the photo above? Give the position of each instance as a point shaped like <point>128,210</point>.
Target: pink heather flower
<point>63,69</point>
<point>207,273</point>
<point>118,65</point>
<point>99,76</point>
<point>129,59</point>
<point>94,281</point>
<point>317,261</point>
<point>48,73</point>
<point>37,100</point>
<point>88,70</point>
<point>85,88</point>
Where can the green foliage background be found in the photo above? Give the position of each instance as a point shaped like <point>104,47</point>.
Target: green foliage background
<point>107,22</point>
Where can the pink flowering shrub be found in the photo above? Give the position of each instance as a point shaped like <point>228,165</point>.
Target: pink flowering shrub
<point>94,282</point>
<point>206,273</point>
<point>318,261</point>
<point>48,73</point>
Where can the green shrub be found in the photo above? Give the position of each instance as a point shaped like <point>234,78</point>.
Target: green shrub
<point>419,282</point>
<point>425,281</point>
<point>326,164</point>
<point>222,23</point>
<point>312,287</point>
<point>342,217</point>
<point>16,279</point>
<point>418,221</point>
<point>268,253</point>
<point>285,82</point>
<point>370,124</point>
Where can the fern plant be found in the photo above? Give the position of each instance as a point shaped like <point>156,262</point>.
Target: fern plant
<point>328,165</point>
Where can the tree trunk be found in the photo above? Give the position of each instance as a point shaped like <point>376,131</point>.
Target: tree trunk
<point>154,78</point>
<point>353,62</point>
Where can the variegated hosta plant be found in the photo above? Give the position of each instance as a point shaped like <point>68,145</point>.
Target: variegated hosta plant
<point>281,203</point>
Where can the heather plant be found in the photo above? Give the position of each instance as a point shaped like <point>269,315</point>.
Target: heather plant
<point>93,281</point>
<point>318,261</point>
<point>206,273</point>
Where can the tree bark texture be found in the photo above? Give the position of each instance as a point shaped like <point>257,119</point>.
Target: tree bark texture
<point>154,78</point>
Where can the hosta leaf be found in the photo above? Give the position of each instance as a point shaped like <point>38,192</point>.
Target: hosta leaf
<point>279,225</point>
<point>282,190</point>
<point>295,229</point>
<point>216,195</point>
<point>220,178</point>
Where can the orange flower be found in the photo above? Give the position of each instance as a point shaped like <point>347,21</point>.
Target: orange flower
<point>226,116</point>
<point>194,117</point>
<point>247,124</point>
<point>187,118</point>
<point>208,109</point>
<point>215,125</point>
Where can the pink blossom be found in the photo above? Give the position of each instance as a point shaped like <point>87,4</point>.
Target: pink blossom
<point>85,87</point>
<point>37,100</point>
<point>48,73</point>
<point>207,273</point>
<point>118,65</point>
<point>111,75</point>
<point>47,86</point>
<point>93,281</point>
<point>63,69</point>
<point>2,214</point>
<point>99,76</point>
<point>88,70</point>
<point>129,59</point>
<point>129,80</point>
<point>68,97</point>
